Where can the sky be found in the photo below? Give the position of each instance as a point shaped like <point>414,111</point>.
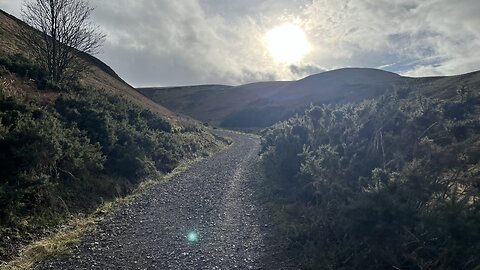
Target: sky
<point>187,42</point>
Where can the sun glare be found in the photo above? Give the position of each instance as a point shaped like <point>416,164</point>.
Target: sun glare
<point>287,43</point>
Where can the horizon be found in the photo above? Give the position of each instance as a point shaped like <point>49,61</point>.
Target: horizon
<point>204,42</point>
<point>333,70</point>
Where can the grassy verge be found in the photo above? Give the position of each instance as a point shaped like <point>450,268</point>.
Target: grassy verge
<point>61,241</point>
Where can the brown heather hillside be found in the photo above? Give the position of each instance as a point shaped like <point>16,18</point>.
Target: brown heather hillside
<point>98,76</point>
<point>259,105</point>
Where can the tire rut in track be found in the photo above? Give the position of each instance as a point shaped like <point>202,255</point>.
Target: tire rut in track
<point>215,198</point>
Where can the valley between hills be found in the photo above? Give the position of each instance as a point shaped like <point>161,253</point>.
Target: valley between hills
<point>262,104</point>
<point>353,168</point>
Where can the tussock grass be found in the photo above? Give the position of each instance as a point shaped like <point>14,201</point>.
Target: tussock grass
<point>62,241</point>
<point>56,244</point>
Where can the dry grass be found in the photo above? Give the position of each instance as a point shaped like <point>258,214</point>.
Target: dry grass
<point>97,76</point>
<point>57,243</point>
<point>24,89</point>
<point>61,241</point>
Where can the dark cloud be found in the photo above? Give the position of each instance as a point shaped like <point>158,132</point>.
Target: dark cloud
<point>306,70</point>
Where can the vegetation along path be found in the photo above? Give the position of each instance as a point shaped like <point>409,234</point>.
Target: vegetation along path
<point>207,217</point>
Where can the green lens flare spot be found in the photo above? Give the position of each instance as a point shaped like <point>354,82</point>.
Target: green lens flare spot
<point>192,236</point>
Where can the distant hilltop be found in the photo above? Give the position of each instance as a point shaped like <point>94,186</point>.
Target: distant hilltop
<point>258,105</point>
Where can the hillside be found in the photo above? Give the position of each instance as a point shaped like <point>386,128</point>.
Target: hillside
<point>67,148</point>
<point>188,100</point>
<point>98,76</point>
<point>262,104</point>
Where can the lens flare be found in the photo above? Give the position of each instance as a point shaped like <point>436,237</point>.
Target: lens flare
<point>192,236</point>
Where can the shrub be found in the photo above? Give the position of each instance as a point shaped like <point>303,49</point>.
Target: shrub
<point>387,183</point>
<point>37,154</point>
<point>66,159</point>
<point>135,141</point>
<point>23,67</point>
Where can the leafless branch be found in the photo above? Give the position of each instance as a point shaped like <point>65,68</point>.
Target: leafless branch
<point>65,30</point>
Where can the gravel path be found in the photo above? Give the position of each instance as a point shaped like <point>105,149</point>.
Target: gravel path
<point>207,217</point>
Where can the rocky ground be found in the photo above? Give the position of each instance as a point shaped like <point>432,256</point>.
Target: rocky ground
<point>208,217</point>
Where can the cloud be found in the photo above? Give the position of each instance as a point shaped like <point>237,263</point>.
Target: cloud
<point>306,70</point>
<point>427,37</point>
<point>166,42</point>
<point>177,42</point>
<point>12,7</point>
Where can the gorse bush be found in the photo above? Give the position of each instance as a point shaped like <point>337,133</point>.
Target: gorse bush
<point>135,141</point>
<point>68,158</point>
<point>391,183</point>
<point>23,67</point>
<point>26,68</point>
<point>37,154</point>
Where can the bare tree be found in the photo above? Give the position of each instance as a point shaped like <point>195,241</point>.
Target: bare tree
<point>65,31</point>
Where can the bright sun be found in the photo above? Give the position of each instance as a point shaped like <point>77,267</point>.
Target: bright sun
<point>287,43</point>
